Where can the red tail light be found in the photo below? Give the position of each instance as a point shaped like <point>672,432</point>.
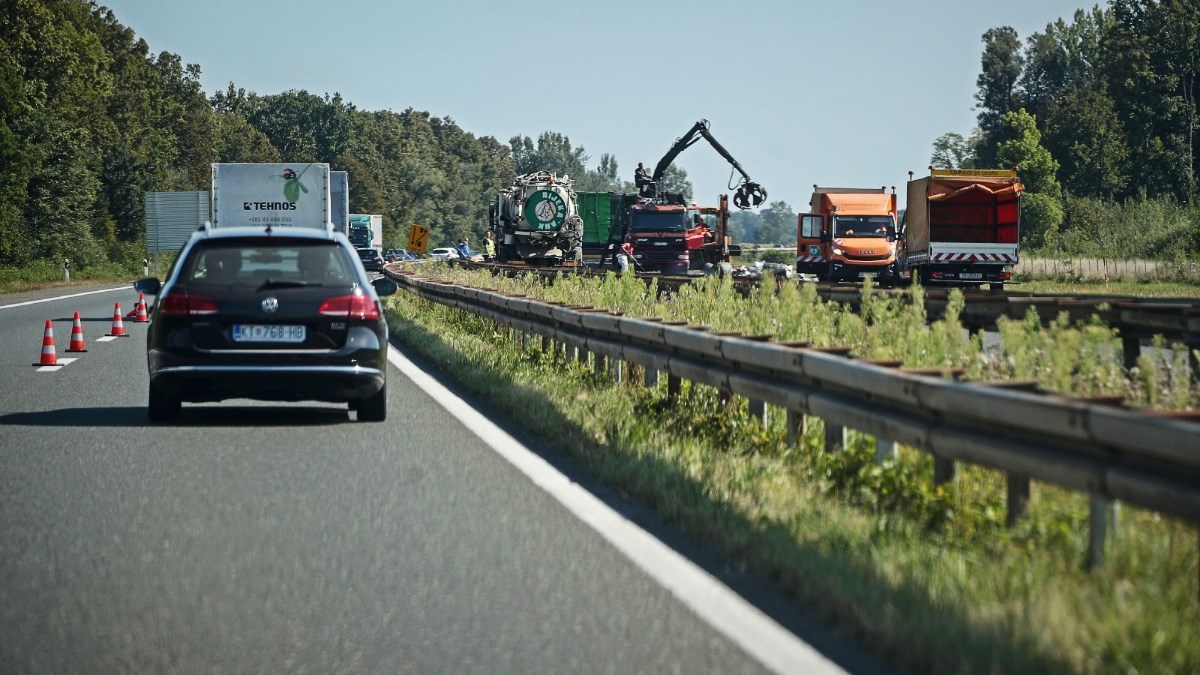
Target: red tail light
<point>186,304</point>
<point>357,305</point>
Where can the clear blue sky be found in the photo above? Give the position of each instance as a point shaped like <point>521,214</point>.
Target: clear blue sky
<point>837,93</point>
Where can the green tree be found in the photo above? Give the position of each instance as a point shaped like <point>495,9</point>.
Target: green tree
<point>777,224</point>
<point>1086,137</point>
<point>1001,67</point>
<point>1041,214</point>
<point>675,181</point>
<point>952,151</point>
<point>553,152</point>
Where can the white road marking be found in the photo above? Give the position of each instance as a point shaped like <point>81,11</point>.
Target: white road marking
<point>107,338</point>
<point>64,297</point>
<point>58,365</point>
<point>714,602</point>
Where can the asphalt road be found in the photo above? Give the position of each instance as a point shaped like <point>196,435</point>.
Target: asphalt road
<point>254,537</point>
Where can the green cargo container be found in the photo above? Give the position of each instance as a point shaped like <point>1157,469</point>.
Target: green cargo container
<point>601,214</point>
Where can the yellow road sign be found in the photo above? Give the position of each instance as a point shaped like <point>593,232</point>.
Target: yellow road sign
<point>418,238</point>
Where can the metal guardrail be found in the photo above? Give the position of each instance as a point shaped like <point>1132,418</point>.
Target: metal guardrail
<point>1112,453</point>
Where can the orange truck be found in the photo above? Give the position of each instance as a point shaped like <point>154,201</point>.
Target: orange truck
<point>962,227</point>
<point>849,234</point>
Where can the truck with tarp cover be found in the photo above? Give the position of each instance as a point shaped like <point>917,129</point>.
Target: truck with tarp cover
<point>271,195</point>
<point>962,227</point>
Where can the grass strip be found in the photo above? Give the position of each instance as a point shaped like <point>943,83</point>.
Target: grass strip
<point>929,577</point>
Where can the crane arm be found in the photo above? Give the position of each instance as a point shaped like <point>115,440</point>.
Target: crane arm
<point>749,194</point>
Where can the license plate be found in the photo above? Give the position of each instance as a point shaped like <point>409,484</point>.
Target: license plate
<point>867,275</point>
<point>971,275</point>
<point>660,243</point>
<point>257,333</point>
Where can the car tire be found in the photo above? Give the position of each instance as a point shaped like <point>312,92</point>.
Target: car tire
<point>163,407</point>
<point>373,408</point>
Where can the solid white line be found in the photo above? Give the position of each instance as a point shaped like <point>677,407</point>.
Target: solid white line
<point>64,297</point>
<point>714,602</point>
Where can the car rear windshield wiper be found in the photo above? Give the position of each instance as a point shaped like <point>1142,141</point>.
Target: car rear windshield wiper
<point>284,283</point>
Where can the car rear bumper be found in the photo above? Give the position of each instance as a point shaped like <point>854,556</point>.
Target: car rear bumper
<point>339,384</point>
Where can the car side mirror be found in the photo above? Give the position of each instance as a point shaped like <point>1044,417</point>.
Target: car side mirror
<point>384,286</point>
<point>891,236</point>
<point>149,286</point>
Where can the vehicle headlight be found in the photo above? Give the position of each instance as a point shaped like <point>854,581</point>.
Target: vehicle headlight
<point>838,251</point>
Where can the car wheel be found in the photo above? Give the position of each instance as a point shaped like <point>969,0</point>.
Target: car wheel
<point>163,407</point>
<point>373,408</point>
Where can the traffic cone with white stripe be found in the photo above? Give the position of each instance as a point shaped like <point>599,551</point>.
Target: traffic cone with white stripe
<point>49,358</point>
<point>77,344</point>
<point>142,316</point>
<point>118,326</point>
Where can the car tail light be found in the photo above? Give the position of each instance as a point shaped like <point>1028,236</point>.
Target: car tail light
<point>357,305</point>
<point>186,304</point>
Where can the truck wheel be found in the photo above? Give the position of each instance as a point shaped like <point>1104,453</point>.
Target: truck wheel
<point>507,252</point>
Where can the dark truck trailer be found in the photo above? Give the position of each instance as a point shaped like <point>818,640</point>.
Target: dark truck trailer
<point>962,227</point>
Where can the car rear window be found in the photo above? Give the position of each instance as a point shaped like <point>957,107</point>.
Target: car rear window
<point>251,263</point>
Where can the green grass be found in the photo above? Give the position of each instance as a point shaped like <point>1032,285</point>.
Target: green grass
<point>1084,359</point>
<point>929,577</point>
<point>1156,289</point>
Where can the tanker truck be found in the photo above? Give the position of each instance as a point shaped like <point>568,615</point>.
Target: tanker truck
<point>536,220</point>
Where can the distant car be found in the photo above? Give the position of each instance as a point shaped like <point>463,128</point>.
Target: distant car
<point>396,255</point>
<point>371,260</point>
<point>443,254</point>
<point>277,315</point>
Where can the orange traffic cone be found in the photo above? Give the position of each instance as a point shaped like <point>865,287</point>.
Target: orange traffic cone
<point>49,358</point>
<point>142,316</point>
<point>77,344</point>
<point>118,326</point>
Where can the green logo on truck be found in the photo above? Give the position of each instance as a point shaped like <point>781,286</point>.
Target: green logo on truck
<point>545,210</point>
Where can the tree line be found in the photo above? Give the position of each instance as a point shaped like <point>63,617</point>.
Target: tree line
<point>1099,113</point>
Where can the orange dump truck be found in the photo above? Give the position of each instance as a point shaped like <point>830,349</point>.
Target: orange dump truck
<point>850,233</point>
<point>962,227</point>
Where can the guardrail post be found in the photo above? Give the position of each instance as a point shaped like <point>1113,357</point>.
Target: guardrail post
<point>1131,348</point>
<point>651,378</point>
<point>1018,498</point>
<point>835,437</point>
<point>886,450</point>
<point>1102,523</point>
<point>600,362</point>
<point>943,470</point>
<point>616,370</point>
<point>797,425</point>
<point>758,411</point>
<point>674,384</point>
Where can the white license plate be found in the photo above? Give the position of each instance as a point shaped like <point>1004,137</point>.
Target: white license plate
<point>867,275</point>
<point>256,333</point>
<point>971,275</point>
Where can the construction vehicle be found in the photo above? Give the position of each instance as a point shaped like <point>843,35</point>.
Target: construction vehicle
<point>849,234</point>
<point>672,237</point>
<point>962,227</point>
<point>747,194</point>
<point>536,220</point>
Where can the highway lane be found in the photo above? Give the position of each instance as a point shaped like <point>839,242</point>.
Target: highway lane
<point>254,537</point>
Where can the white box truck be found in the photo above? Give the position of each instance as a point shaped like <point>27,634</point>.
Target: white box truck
<point>339,190</point>
<point>275,195</point>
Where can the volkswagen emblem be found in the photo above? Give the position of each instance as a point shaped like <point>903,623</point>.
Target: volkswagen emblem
<point>270,304</point>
